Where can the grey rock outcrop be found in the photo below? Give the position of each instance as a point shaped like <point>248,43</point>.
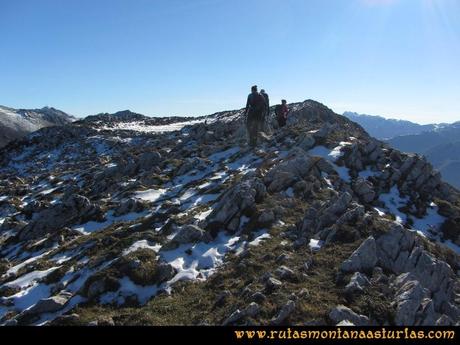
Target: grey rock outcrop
<point>237,201</point>
<point>284,313</point>
<point>76,208</point>
<point>342,313</point>
<point>363,259</point>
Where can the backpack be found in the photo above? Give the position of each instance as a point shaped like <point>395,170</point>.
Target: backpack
<point>257,102</point>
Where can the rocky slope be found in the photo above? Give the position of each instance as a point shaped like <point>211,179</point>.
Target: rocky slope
<point>441,147</point>
<point>122,221</point>
<point>16,123</point>
<point>439,143</point>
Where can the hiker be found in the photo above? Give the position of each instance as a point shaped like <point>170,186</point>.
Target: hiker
<point>281,111</point>
<point>267,104</point>
<point>255,108</point>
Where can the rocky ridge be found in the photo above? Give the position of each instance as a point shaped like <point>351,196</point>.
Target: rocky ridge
<point>322,224</point>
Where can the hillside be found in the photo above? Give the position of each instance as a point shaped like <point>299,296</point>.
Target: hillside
<point>123,220</point>
<point>16,123</point>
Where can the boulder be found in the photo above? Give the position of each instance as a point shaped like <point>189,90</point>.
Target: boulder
<point>238,200</point>
<point>283,314</point>
<point>408,301</point>
<point>252,309</point>
<point>192,163</point>
<point>129,205</point>
<point>188,233</point>
<point>342,313</point>
<point>266,217</point>
<point>148,160</point>
<point>234,317</point>
<point>49,305</point>
<point>143,268</point>
<point>363,259</point>
<point>73,209</point>
<point>101,284</point>
<point>444,320</point>
<point>272,284</point>
<point>306,141</point>
<point>357,283</point>
<point>364,190</point>
<point>285,273</point>
<point>288,172</point>
<point>333,210</point>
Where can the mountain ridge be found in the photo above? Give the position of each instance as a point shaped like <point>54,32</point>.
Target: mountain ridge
<point>433,141</point>
<point>16,123</point>
<point>182,223</point>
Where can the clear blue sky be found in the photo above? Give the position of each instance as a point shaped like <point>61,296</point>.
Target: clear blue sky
<point>396,58</point>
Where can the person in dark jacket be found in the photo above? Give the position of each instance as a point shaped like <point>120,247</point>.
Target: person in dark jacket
<point>255,108</point>
<point>267,103</point>
<point>281,111</point>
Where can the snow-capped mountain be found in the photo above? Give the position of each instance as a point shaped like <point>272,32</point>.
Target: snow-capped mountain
<point>131,220</point>
<point>16,123</point>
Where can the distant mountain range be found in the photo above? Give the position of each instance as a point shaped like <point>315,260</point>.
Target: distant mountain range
<point>16,123</point>
<point>439,143</point>
<point>383,128</point>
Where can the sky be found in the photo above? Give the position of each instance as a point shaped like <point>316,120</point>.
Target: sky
<point>394,58</point>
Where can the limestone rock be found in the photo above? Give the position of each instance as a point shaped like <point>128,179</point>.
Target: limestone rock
<point>363,259</point>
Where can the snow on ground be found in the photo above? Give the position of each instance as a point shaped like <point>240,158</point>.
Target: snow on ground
<point>129,288</point>
<point>244,164</point>
<point>15,269</point>
<point>142,244</point>
<point>332,156</point>
<point>203,215</point>
<point>150,194</point>
<point>44,318</point>
<point>29,296</point>
<point>28,279</point>
<point>379,211</point>
<point>428,226</point>
<point>198,200</point>
<point>93,226</point>
<point>203,260</point>
<point>263,236</point>
<point>393,201</point>
<point>222,155</point>
<point>336,152</point>
<point>140,126</point>
<point>315,245</point>
<point>432,220</point>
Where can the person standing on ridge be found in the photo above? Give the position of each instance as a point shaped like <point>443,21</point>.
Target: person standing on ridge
<point>267,110</point>
<point>281,111</point>
<point>255,108</point>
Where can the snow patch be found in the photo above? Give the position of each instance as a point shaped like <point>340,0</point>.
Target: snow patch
<point>315,245</point>
<point>142,244</point>
<point>150,194</point>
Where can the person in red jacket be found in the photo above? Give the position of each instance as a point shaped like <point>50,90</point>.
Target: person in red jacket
<point>281,111</point>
